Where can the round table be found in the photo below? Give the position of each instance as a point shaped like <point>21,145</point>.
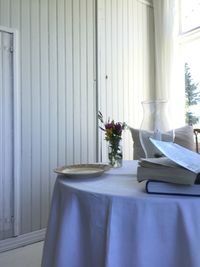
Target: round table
<point>110,221</point>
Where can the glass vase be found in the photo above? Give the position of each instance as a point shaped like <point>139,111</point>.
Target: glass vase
<point>155,124</point>
<point>115,155</point>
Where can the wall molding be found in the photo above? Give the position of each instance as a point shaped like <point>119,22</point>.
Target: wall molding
<point>16,127</point>
<point>22,240</point>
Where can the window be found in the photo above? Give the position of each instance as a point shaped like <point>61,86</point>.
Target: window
<point>189,32</point>
<point>189,15</point>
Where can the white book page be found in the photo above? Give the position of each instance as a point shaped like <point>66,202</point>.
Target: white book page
<point>182,156</point>
<point>163,161</point>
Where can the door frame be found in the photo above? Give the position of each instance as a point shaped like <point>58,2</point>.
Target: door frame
<point>16,128</point>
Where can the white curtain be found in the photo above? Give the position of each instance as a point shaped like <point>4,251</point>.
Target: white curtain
<point>169,74</point>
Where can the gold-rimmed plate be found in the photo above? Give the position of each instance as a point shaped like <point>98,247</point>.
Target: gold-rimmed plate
<point>83,170</point>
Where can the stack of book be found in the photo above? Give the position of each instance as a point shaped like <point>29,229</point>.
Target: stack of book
<point>177,173</point>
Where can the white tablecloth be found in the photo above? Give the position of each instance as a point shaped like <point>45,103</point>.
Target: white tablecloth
<point>110,221</point>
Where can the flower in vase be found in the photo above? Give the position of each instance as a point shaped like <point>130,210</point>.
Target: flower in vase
<point>113,134</point>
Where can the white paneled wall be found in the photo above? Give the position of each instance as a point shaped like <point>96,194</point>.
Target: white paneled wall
<point>57,66</point>
<point>58,97</point>
<point>126,63</point>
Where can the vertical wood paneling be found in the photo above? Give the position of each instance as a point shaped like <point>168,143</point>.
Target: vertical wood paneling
<point>126,107</point>
<point>58,89</point>
<point>26,200</point>
<point>76,80</point>
<point>91,80</point>
<point>102,106</point>
<point>61,83</point>
<point>15,14</point>
<point>135,108</point>
<point>131,74</point>
<point>83,80</point>
<point>58,99</point>
<point>124,60</point>
<point>108,55</point>
<point>114,53</point>
<point>53,88</point>
<point>69,119</point>
<point>44,186</point>
<point>35,113</point>
<point>5,12</point>
<point>120,59</point>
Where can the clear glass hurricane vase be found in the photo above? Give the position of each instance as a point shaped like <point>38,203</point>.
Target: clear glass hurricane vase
<point>155,124</point>
<point>115,155</point>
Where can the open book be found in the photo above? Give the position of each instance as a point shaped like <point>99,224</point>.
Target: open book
<point>180,155</point>
<point>180,166</point>
<point>163,169</point>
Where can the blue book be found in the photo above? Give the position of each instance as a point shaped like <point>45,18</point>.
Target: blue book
<point>159,187</point>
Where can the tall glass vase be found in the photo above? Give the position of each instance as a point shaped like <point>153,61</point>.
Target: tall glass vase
<point>155,124</point>
<point>115,155</point>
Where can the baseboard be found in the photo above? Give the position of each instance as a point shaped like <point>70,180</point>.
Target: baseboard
<point>22,240</point>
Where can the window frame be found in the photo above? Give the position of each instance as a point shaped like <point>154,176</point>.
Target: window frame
<point>187,33</point>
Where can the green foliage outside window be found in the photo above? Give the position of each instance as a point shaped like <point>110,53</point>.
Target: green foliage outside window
<point>192,96</point>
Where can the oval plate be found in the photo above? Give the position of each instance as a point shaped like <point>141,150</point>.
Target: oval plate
<point>83,170</point>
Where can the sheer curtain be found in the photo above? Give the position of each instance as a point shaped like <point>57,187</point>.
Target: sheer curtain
<point>169,73</point>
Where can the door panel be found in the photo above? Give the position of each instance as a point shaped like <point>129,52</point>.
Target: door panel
<point>125,64</point>
<point>6,135</point>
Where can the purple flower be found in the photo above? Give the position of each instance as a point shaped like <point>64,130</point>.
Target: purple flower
<point>113,131</point>
<point>109,125</point>
<point>118,128</point>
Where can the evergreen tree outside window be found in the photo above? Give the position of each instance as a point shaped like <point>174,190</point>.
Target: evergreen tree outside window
<point>189,43</point>
<point>192,96</point>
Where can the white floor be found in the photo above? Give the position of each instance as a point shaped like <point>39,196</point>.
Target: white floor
<point>28,256</point>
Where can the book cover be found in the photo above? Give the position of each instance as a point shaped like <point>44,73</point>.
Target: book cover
<point>158,187</point>
<point>167,174</point>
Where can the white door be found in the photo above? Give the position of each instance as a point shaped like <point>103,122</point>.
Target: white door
<point>6,136</point>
